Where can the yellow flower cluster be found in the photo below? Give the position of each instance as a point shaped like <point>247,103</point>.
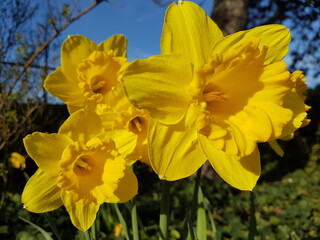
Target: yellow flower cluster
<point>17,161</point>
<point>205,97</point>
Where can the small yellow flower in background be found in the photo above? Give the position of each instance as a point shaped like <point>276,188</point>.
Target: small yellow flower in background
<point>118,230</point>
<point>17,160</point>
<point>211,97</point>
<point>78,168</point>
<point>294,100</point>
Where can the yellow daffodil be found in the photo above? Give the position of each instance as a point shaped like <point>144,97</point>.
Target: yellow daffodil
<point>88,78</point>
<point>211,97</point>
<point>88,71</point>
<point>294,100</point>
<point>17,160</point>
<point>78,168</point>
<point>127,125</point>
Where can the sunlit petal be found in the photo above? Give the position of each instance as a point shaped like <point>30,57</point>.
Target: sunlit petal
<point>64,87</point>
<point>73,50</point>
<point>159,84</point>
<point>239,172</point>
<point>46,150</point>
<point>174,149</point>
<point>117,43</point>
<point>82,216</point>
<point>188,30</point>
<point>41,193</point>
<point>294,102</point>
<point>82,126</point>
<point>275,37</point>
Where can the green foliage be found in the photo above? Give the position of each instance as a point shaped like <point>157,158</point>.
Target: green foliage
<point>287,208</point>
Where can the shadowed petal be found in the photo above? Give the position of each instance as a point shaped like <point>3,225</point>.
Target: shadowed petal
<point>127,188</point>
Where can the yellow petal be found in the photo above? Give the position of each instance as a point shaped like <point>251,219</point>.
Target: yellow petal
<point>117,43</point>
<point>188,30</point>
<point>254,122</point>
<point>82,126</point>
<point>41,193</point>
<point>294,102</point>
<point>127,188</point>
<point>276,147</point>
<point>174,149</point>
<point>275,37</point>
<point>99,74</point>
<point>72,109</point>
<point>73,50</point>
<point>159,84</point>
<point>92,171</point>
<point>235,84</point>
<point>279,117</point>
<point>46,150</point>
<point>64,87</point>
<point>82,216</point>
<point>239,172</point>
<point>125,141</point>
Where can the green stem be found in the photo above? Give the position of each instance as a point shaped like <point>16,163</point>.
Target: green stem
<point>122,221</point>
<point>164,210</point>
<point>194,207</point>
<point>134,220</point>
<point>52,225</point>
<point>253,221</point>
<point>86,235</point>
<point>201,217</point>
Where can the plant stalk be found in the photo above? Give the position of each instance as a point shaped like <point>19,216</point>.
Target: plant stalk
<point>164,210</point>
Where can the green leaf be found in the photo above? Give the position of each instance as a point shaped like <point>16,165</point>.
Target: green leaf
<point>45,234</point>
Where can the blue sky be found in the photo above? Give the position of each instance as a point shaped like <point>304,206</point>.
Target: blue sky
<point>139,20</point>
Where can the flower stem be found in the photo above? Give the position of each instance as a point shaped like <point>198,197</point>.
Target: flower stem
<point>253,221</point>
<point>122,221</point>
<point>194,205</point>
<point>164,210</point>
<point>134,220</point>
<point>189,219</point>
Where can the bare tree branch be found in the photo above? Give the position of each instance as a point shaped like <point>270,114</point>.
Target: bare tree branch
<point>46,44</point>
<point>32,66</point>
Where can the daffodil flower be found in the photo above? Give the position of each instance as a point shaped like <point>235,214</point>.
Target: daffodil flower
<point>89,78</point>
<point>78,168</point>
<point>211,97</point>
<point>88,71</point>
<point>294,100</point>
<point>126,124</point>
